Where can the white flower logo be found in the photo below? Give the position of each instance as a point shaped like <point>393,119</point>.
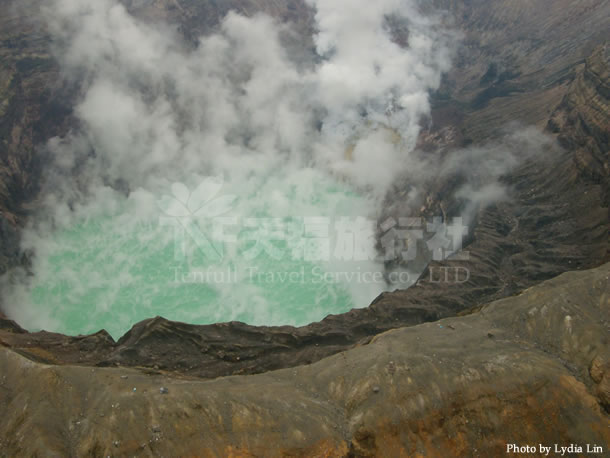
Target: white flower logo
<point>202,202</point>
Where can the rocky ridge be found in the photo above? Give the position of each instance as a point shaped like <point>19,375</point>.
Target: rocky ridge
<point>530,369</point>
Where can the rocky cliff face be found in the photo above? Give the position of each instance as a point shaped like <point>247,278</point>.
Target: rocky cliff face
<point>32,108</point>
<point>518,58</point>
<point>530,369</point>
<point>582,120</point>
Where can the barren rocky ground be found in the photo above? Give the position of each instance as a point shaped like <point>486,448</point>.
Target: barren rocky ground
<point>530,369</point>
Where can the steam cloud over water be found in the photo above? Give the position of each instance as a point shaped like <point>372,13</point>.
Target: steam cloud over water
<point>157,117</point>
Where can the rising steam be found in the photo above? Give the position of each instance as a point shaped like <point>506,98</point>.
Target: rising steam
<point>283,135</point>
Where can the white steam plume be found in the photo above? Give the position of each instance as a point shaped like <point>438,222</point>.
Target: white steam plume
<point>155,111</point>
<point>237,102</point>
